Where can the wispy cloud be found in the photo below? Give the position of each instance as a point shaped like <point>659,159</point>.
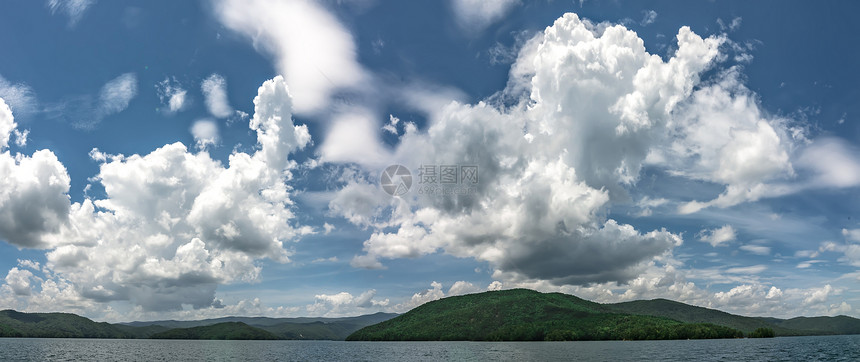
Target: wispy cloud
<point>117,93</point>
<point>215,92</point>
<point>325,260</point>
<point>648,17</point>
<point>173,97</point>
<point>74,9</point>
<point>756,249</point>
<point>730,26</point>
<point>501,54</point>
<point>476,15</point>
<point>754,269</point>
<point>391,126</point>
<point>19,96</point>
<point>85,111</point>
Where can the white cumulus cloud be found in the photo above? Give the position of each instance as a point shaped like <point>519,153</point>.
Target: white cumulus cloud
<point>549,172</point>
<point>718,236</point>
<point>7,124</point>
<point>345,304</point>
<point>172,226</point>
<point>33,190</point>
<point>586,109</point>
<point>205,132</point>
<point>19,281</point>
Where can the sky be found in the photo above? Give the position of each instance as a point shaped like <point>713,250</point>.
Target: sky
<point>197,159</point>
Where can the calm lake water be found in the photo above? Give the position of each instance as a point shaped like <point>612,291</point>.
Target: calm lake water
<point>827,348</point>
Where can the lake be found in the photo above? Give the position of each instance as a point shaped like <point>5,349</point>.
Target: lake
<point>821,348</point>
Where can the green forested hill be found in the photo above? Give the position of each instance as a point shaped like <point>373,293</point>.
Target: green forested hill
<point>526,315</point>
<point>692,314</point>
<point>55,325</point>
<point>226,330</point>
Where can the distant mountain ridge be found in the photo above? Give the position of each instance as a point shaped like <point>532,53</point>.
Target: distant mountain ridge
<point>225,330</point>
<point>825,325</point>
<point>264,321</point>
<point>65,325</point>
<point>782,327</point>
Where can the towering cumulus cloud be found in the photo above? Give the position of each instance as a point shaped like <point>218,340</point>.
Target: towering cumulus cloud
<point>596,108</point>
<point>173,224</point>
<point>33,190</point>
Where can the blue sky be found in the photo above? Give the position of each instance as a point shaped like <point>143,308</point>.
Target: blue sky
<point>209,158</point>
